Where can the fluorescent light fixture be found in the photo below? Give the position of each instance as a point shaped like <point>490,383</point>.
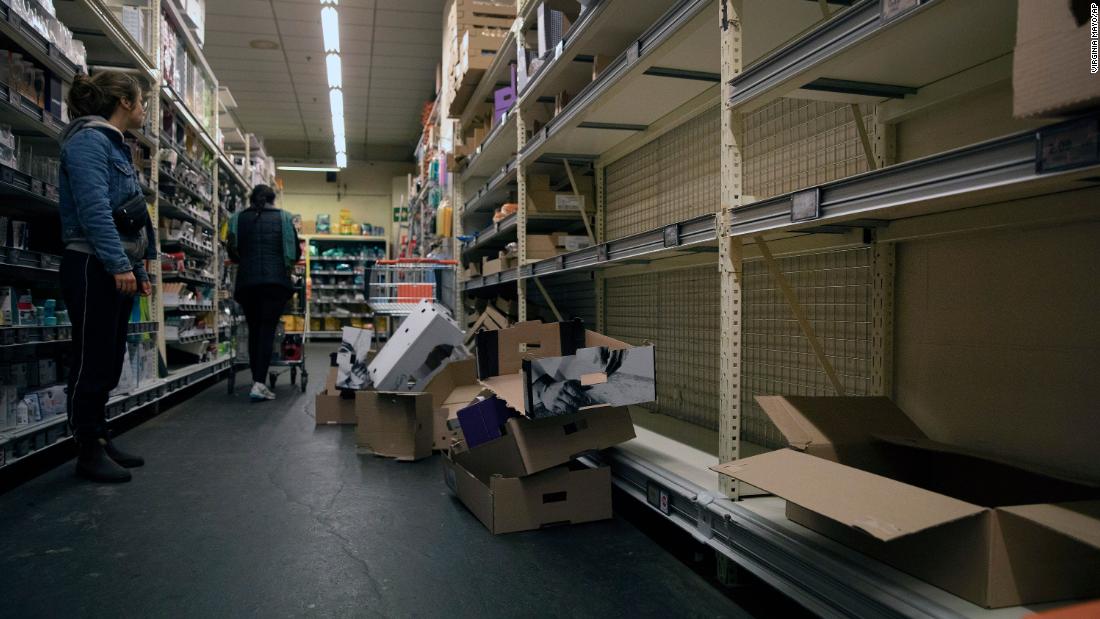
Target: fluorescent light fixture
<point>336,102</point>
<point>335,77</point>
<point>302,168</point>
<point>341,146</point>
<point>330,28</point>
<point>338,127</point>
<point>341,160</point>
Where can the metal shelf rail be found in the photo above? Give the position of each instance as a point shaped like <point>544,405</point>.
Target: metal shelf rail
<point>1055,158</point>
<point>26,442</point>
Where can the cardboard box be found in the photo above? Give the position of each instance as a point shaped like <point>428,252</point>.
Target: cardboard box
<point>531,365</point>
<point>422,345</point>
<point>990,531</point>
<point>330,407</point>
<point>529,446</point>
<point>543,246</point>
<point>1054,67</point>
<point>394,425</point>
<point>451,390</point>
<point>543,200</point>
<point>508,261</point>
<point>491,266</point>
<point>568,494</point>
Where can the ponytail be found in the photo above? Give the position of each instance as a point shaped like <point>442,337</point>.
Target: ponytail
<point>100,94</point>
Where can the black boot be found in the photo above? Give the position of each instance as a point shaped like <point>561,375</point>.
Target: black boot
<point>120,457</point>
<point>92,463</point>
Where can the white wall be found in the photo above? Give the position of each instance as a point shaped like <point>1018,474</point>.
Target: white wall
<point>365,188</point>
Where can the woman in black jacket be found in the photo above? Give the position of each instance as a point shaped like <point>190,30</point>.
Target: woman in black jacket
<point>264,244</point>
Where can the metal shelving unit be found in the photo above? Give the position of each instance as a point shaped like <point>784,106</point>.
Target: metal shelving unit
<point>352,308</point>
<point>110,44</point>
<point>871,53</point>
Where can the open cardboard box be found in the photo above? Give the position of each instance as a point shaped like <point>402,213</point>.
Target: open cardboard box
<point>330,408</point>
<point>409,425</point>
<point>526,365</point>
<point>993,532</point>
<point>529,446</point>
<point>568,494</point>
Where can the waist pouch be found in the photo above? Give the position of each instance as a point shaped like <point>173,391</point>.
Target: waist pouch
<point>132,216</point>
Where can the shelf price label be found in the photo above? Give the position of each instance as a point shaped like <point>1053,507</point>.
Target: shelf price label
<point>658,497</point>
<point>1072,145</point>
<point>894,8</point>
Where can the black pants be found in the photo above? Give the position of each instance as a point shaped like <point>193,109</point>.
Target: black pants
<point>262,305</point>
<point>99,313</point>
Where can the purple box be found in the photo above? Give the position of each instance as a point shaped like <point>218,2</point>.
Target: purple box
<point>481,422</point>
<point>504,98</point>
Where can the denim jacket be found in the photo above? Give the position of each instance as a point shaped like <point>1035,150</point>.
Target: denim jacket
<point>97,177</point>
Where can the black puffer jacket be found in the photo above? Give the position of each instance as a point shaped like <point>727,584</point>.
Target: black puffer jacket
<point>258,249</point>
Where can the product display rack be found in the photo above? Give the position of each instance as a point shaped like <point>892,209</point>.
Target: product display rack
<point>342,301</point>
<point>684,63</point>
<point>108,43</point>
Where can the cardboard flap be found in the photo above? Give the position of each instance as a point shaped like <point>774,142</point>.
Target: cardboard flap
<point>927,444</point>
<point>1079,520</point>
<point>879,506</point>
<point>502,352</point>
<point>508,388</point>
<point>821,425</point>
<point>593,339</point>
<point>463,395</point>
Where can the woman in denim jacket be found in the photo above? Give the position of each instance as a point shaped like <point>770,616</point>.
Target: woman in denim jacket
<point>102,268</point>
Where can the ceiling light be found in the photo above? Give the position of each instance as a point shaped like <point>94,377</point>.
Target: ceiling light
<point>335,78</point>
<point>340,144</point>
<point>302,168</point>
<point>263,44</point>
<point>330,27</point>
<point>336,101</point>
<point>338,127</point>
<point>341,160</point>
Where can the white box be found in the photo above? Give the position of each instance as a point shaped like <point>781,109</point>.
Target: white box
<point>426,340</point>
<point>51,401</point>
<point>573,243</point>
<point>568,202</point>
<point>351,361</point>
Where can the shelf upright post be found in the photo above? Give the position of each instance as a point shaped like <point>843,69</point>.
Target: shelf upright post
<point>521,213</point>
<point>884,147</point>
<point>156,304</point>
<point>730,252</point>
<point>601,291</point>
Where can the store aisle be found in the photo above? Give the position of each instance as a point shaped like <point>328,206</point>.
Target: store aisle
<point>248,510</point>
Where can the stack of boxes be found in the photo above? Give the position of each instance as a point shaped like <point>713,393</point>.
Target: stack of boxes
<point>473,32</point>
<point>516,467</point>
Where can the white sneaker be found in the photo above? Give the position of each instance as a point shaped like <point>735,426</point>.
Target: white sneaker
<point>260,392</point>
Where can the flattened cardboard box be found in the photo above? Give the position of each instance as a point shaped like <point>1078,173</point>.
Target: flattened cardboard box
<point>533,445</point>
<point>571,493</point>
<point>394,424</point>
<point>860,471</point>
<point>332,409</point>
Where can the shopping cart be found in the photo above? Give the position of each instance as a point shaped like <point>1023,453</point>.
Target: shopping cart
<point>396,286</point>
<point>288,353</point>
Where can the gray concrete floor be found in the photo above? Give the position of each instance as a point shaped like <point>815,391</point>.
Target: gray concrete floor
<point>249,510</point>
